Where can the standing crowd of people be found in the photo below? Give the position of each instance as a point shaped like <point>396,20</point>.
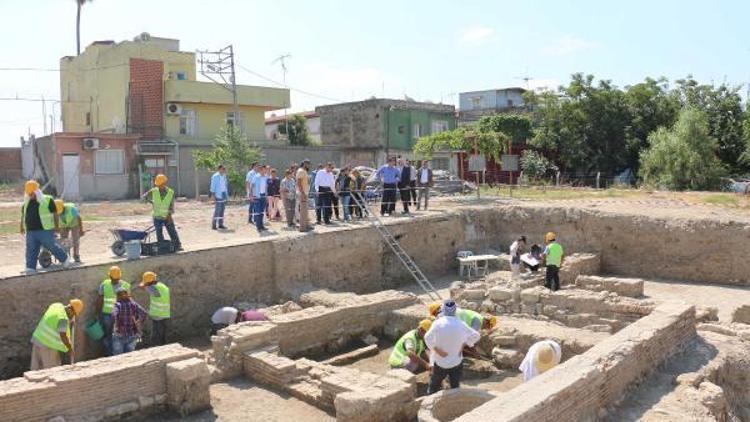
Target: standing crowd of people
<point>340,195</point>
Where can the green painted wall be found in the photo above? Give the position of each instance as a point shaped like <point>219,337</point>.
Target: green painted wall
<point>400,126</point>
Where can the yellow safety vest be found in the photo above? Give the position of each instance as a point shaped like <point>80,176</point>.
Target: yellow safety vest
<point>109,296</point>
<point>161,205</point>
<point>48,219</point>
<point>399,355</point>
<point>158,307</point>
<point>66,218</point>
<point>468,316</point>
<point>46,331</point>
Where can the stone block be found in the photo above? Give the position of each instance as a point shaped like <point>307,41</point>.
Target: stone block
<point>188,383</point>
<point>120,410</point>
<point>742,314</point>
<point>630,287</point>
<point>501,293</point>
<point>507,358</point>
<point>706,313</point>
<point>531,295</point>
<point>145,402</point>
<point>474,294</point>
<point>503,340</point>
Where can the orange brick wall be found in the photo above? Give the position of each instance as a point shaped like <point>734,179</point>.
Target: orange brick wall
<point>146,98</point>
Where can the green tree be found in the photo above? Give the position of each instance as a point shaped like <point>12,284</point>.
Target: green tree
<point>466,139</point>
<point>298,133</point>
<point>723,108</point>
<point>232,149</point>
<point>683,157</point>
<point>79,4</point>
<point>516,126</point>
<point>651,105</point>
<point>535,165</point>
<point>583,125</point>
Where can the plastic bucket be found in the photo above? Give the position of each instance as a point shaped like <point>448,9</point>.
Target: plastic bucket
<point>133,249</point>
<point>94,330</point>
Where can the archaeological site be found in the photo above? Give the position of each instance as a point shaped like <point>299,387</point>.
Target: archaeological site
<point>653,318</point>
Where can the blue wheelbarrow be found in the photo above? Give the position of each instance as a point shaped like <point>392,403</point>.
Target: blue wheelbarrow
<point>121,236</point>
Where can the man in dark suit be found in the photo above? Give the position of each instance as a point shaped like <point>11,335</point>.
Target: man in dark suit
<point>403,186</point>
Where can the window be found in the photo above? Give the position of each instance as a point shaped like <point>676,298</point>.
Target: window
<point>476,102</point>
<point>439,126</point>
<point>181,76</point>
<point>510,103</point>
<point>401,129</point>
<point>88,119</point>
<point>187,122</point>
<point>230,119</point>
<point>440,164</point>
<point>417,131</point>
<point>109,161</point>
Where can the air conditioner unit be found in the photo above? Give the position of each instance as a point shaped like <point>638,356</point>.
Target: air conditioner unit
<point>174,109</point>
<point>90,143</point>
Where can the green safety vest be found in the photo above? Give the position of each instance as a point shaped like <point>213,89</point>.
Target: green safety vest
<point>468,316</point>
<point>554,256</point>
<point>399,355</point>
<point>48,218</point>
<point>158,307</point>
<point>66,218</point>
<point>109,296</point>
<point>46,331</point>
<point>161,205</point>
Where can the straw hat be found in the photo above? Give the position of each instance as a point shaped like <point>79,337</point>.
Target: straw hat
<point>545,358</point>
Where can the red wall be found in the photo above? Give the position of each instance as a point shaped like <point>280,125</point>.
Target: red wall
<point>146,98</point>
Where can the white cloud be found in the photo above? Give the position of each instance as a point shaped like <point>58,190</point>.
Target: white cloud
<point>569,44</point>
<point>476,35</point>
<point>543,84</point>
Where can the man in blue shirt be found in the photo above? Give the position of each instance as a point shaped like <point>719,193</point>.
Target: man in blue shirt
<point>220,193</point>
<point>389,176</point>
<point>258,191</point>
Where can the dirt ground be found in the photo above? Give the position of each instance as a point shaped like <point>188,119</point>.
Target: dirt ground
<point>241,400</point>
<point>192,218</point>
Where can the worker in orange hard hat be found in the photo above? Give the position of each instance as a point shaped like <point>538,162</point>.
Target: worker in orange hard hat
<point>161,198</point>
<point>159,307</point>
<point>52,335</point>
<point>40,222</point>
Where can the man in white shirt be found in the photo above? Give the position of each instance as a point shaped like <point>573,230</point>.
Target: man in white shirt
<point>541,357</point>
<point>223,318</point>
<point>248,186</point>
<point>324,186</point>
<point>220,194</point>
<point>446,339</point>
<point>258,195</point>
<point>516,249</point>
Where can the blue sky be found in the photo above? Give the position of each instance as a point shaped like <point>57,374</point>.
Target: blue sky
<point>351,50</point>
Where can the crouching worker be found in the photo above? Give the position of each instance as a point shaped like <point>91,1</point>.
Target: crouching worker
<point>71,225</point>
<point>476,321</point>
<point>410,351</point>
<point>541,357</point>
<point>52,335</point>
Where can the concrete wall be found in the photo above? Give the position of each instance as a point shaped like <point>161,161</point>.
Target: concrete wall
<point>577,389</point>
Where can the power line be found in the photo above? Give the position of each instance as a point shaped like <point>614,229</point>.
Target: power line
<point>308,93</point>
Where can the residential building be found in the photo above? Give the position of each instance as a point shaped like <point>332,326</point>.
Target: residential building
<point>135,108</point>
<point>312,120</point>
<point>475,104</point>
<point>385,126</point>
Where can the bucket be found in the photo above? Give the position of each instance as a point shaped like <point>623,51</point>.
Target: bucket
<point>133,249</point>
<point>94,330</point>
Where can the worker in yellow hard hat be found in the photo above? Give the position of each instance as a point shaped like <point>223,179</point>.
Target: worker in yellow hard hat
<point>553,260</point>
<point>105,303</point>
<point>71,225</point>
<point>161,198</point>
<point>52,335</point>
<point>159,309</point>
<point>40,222</point>
<point>410,351</point>
<point>434,309</point>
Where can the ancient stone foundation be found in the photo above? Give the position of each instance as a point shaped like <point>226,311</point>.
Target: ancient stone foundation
<point>135,383</point>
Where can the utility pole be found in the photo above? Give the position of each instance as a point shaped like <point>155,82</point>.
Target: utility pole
<point>218,66</point>
<point>282,61</point>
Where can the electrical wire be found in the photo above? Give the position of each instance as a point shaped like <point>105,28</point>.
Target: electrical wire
<point>308,93</point>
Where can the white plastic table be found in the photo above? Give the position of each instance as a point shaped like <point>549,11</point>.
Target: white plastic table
<point>477,263</point>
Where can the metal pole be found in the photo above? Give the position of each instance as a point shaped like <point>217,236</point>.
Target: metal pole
<point>234,89</point>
